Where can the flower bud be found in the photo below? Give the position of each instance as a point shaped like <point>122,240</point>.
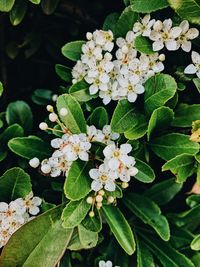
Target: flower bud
<point>43,126</point>
<point>99,205</point>
<point>91,214</point>
<point>101,192</point>
<point>50,108</point>
<point>110,199</point>
<point>34,162</point>
<point>89,35</point>
<point>89,200</point>
<point>99,198</point>
<point>161,57</point>
<point>54,98</point>
<point>53,117</point>
<point>46,168</point>
<point>124,185</point>
<point>63,111</point>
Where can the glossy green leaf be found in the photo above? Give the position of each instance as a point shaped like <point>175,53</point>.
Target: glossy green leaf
<point>139,130</point>
<point>126,21</point>
<point>193,200</point>
<point>30,147</point>
<point>18,12</point>
<point>145,172</point>
<point>149,212</point>
<point>164,252</point>
<point>158,90</point>
<point>120,228</point>
<point>110,22</point>
<point>182,166</point>
<point>14,183</point>
<point>74,120</point>
<point>49,6</point>
<point>1,89</point>
<point>161,118</point>
<point>42,96</point>
<point>124,117</point>
<point>99,117</point>
<point>78,183</point>
<point>74,213</point>
<point>36,2</point>
<point>143,45</point>
<point>144,256</point>
<point>64,72</point>
<point>187,9</point>
<point>163,192</point>
<point>195,245</point>
<point>6,5</point>
<point>148,6</point>
<point>20,112</point>
<point>171,145</point>
<point>80,91</point>
<point>38,238</point>
<point>186,114</point>
<point>93,224</point>
<point>73,50</point>
<point>196,81</point>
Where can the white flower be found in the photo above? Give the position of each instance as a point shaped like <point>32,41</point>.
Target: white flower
<point>103,177</point>
<point>144,27</point>
<point>79,71</point>
<point>195,67</point>
<point>31,203</point>
<point>187,34</point>
<point>163,34</point>
<point>59,164</point>
<point>91,53</point>
<point>104,39</point>
<point>117,155</point>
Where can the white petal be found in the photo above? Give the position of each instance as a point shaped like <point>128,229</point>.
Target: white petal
<point>110,186</point>
<point>113,164</point>
<point>94,173</point>
<point>37,201</point>
<point>167,24</point>
<point>154,36</point>
<point>93,89</point>
<point>84,156</point>
<point>146,19</point>
<point>125,148</point>
<point>171,45</point>
<point>133,171</point>
<point>102,264</point>
<point>132,97</point>
<point>108,264</point>
<point>96,185</point>
<point>198,74</point>
<point>184,26</point>
<point>175,32</point>
<point>139,89</point>
<point>126,160</point>
<point>186,46</point>
<point>108,151</point>
<point>3,206</point>
<point>158,45</point>
<point>195,57</point>
<point>190,69</point>
<point>34,210</point>
<point>192,33</point>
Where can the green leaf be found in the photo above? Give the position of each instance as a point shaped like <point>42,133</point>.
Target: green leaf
<point>164,252</point>
<point>145,172</point>
<point>14,183</point>
<point>182,166</point>
<point>18,12</point>
<point>144,256</point>
<point>93,224</point>
<point>73,50</point>
<point>38,238</point>
<point>139,130</point>
<point>143,45</point>
<point>78,183</point>
<point>193,200</point>
<point>149,212</point>
<point>161,118</point>
<point>20,112</point>
<point>99,117</point>
<point>30,147</point>
<point>187,9</point>
<point>126,21</point>
<point>10,132</point>
<point>74,120</point>
<point>196,81</point>
<point>185,114</point>
<point>1,89</point>
<point>64,73</point>
<point>171,145</point>
<point>49,6</point>
<point>163,192</point>
<point>148,6</point>
<point>124,117</point>
<point>6,5</point>
<point>110,22</point>
<point>74,213</point>
<point>158,90</point>
<point>42,96</point>
<point>195,245</point>
<point>80,91</point>
<point>36,2</point>
<point>120,228</point>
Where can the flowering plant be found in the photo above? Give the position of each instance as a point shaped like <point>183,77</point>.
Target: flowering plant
<point>120,145</point>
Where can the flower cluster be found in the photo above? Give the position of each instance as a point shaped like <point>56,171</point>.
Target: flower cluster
<point>15,214</point>
<point>124,76</point>
<point>117,165</point>
<point>195,67</point>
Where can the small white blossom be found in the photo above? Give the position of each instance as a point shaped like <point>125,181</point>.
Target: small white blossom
<point>32,204</point>
<point>163,34</point>
<point>195,67</point>
<point>103,177</point>
<point>187,34</point>
<point>145,26</point>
